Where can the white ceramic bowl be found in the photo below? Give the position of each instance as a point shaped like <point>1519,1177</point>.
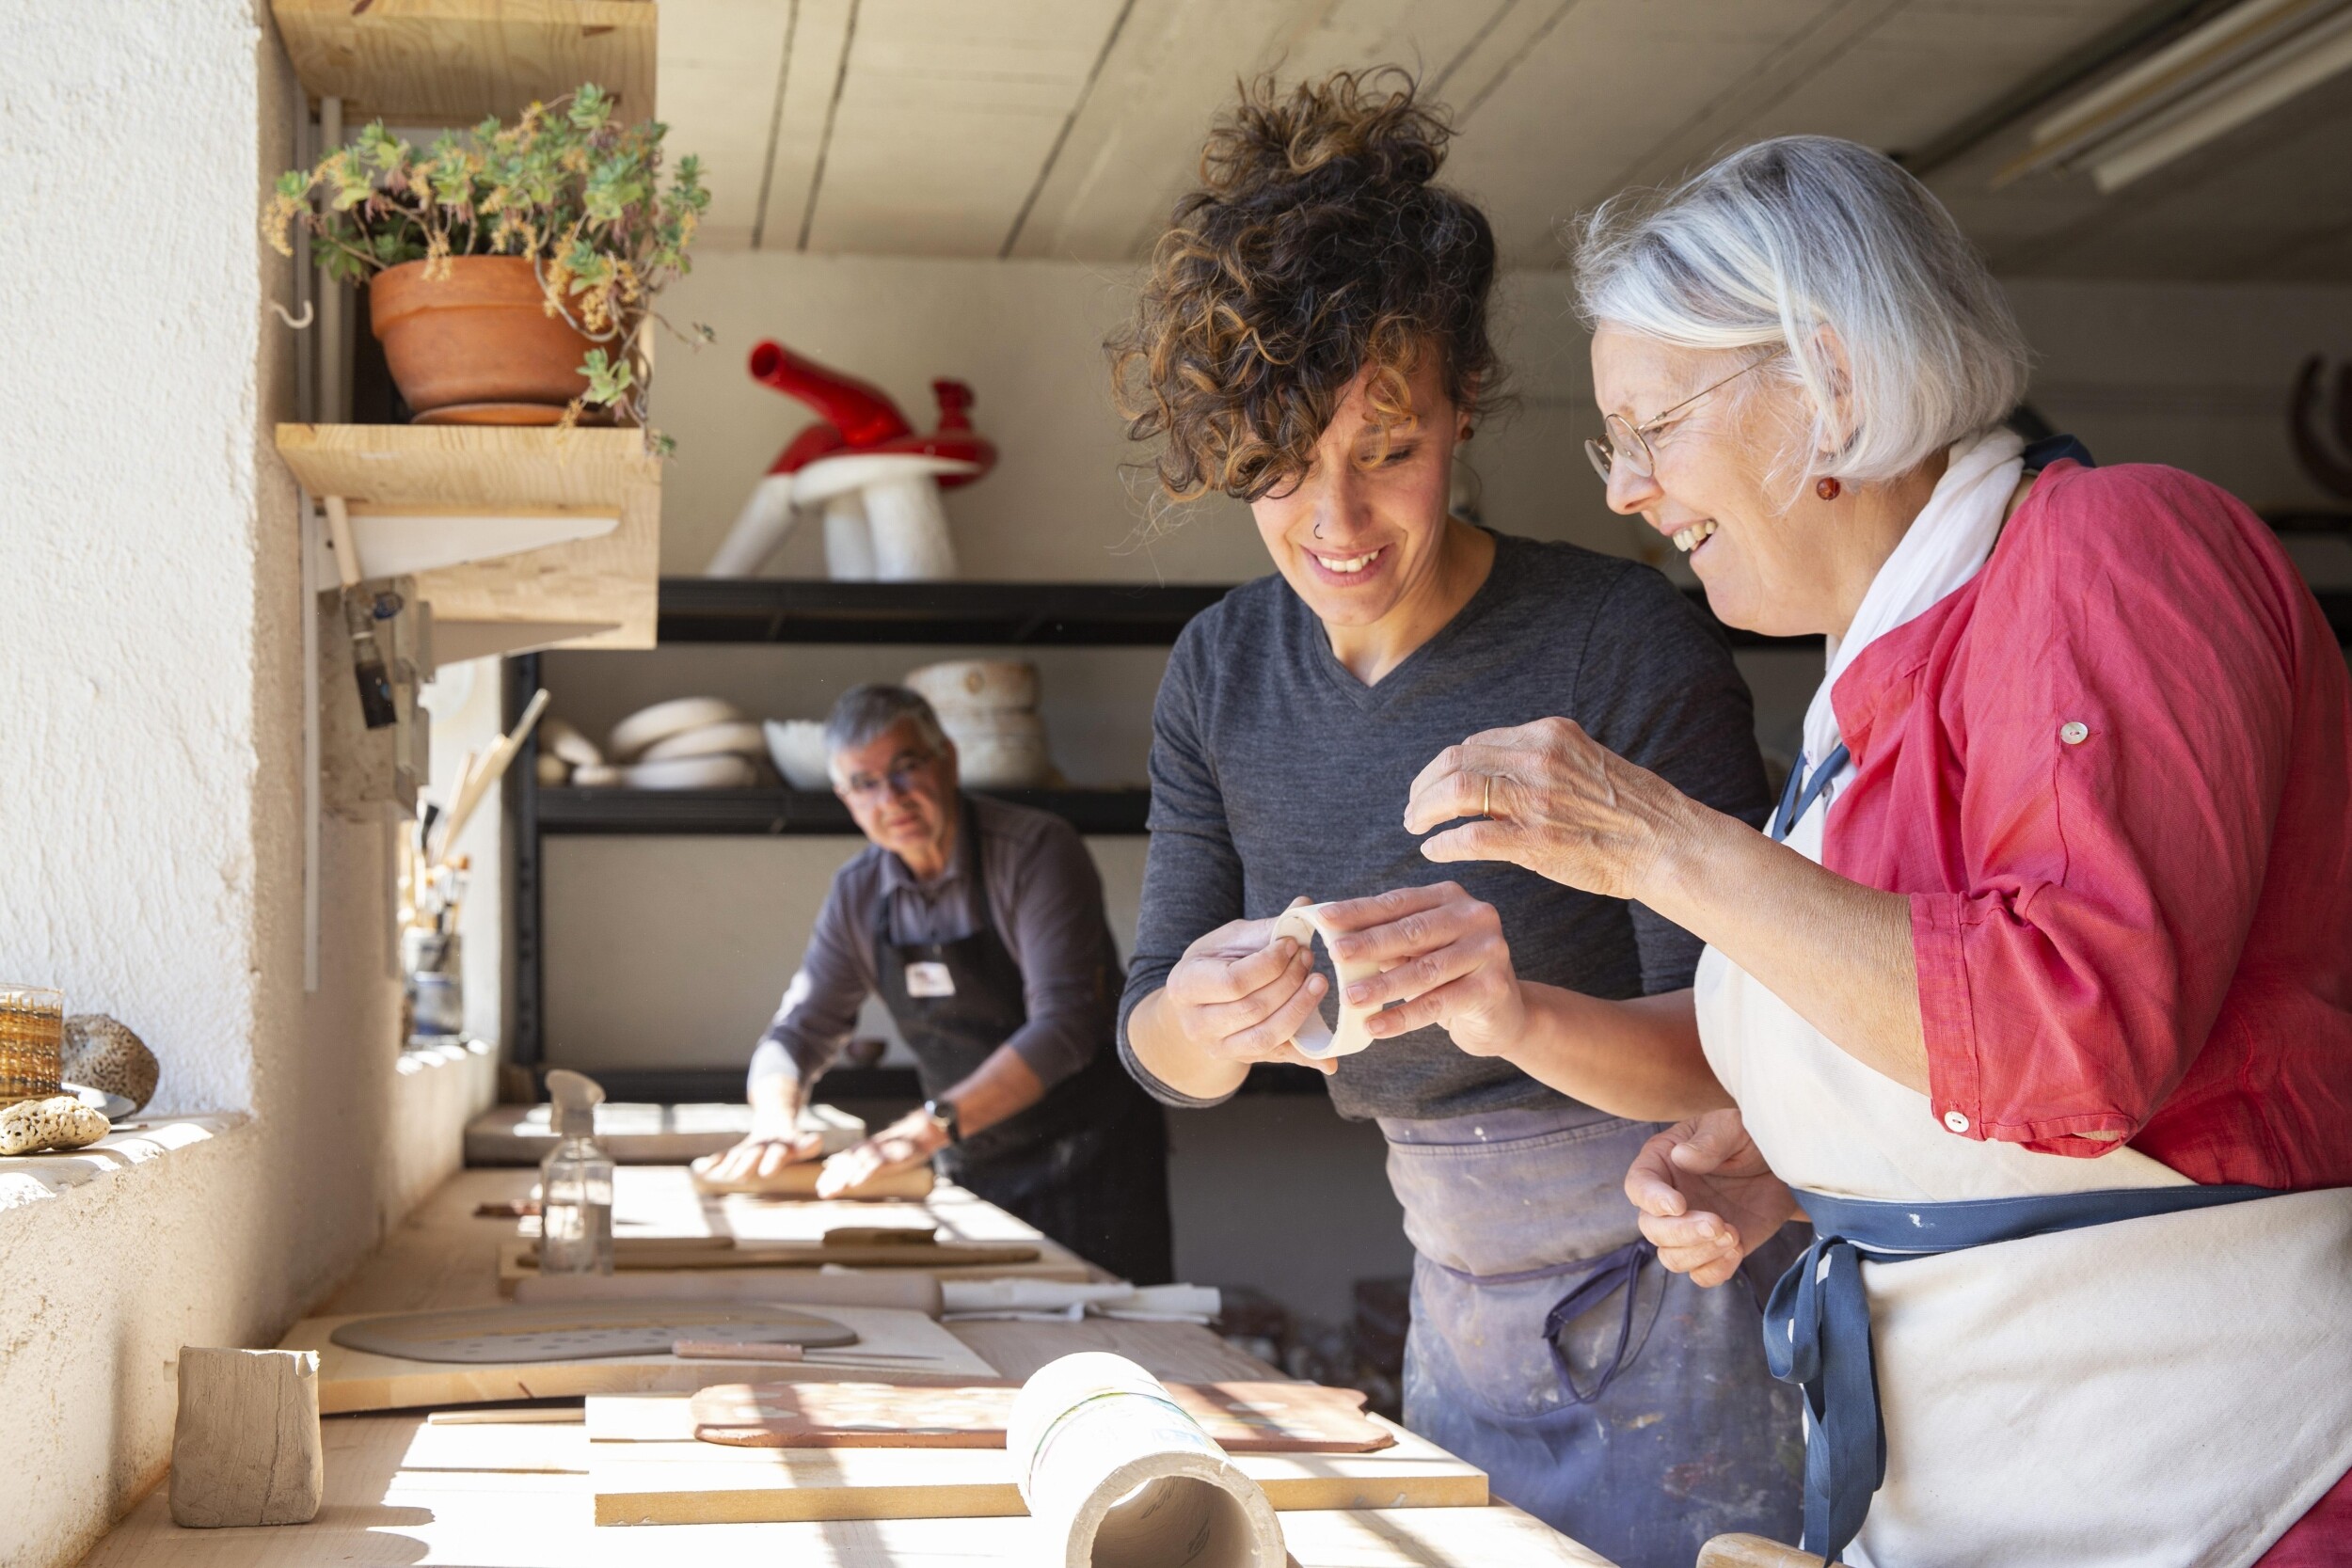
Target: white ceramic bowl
<point>797,747</point>
<point>647,726</point>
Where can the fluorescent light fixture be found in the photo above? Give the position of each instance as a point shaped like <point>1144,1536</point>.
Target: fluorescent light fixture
<point>2240,65</point>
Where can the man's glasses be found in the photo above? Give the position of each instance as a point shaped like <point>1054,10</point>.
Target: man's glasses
<point>906,770</point>
<point>1629,443</point>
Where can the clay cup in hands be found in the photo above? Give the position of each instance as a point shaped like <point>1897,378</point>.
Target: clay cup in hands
<point>1240,996</point>
<point>1707,1197</point>
<point>1551,798</point>
<point>1442,961</point>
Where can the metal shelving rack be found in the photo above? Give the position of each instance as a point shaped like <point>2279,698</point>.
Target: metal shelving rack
<point>706,611</point>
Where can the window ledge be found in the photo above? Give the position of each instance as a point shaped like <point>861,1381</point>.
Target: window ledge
<point>29,1177</point>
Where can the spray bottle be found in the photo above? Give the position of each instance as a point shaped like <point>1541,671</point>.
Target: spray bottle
<point>576,1183</point>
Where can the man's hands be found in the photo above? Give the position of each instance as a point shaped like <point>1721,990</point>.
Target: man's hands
<point>1234,999</point>
<point>1707,1197</point>
<point>761,1156</point>
<point>909,1141</point>
<point>1442,961</point>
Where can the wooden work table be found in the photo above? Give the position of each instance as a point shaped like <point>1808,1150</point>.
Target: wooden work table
<point>399,1493</point>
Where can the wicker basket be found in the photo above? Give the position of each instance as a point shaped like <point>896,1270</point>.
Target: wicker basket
<point>32,1038</point>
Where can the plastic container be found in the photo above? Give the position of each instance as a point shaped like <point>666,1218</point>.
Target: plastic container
<point>575,1183</point>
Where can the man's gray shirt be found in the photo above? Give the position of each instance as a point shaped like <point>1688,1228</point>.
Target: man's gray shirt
<point>1046,900</point>
<point>1275,772</point>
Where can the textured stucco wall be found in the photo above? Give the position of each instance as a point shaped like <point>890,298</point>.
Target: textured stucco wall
<point>150,787</point>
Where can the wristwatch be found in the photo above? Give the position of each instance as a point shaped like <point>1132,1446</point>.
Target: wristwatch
<point>943,1114</point>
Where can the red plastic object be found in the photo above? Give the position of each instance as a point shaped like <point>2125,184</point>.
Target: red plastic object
<point>858,416</point>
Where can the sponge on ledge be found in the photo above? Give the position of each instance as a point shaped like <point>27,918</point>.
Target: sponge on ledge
<point>59,1122</point>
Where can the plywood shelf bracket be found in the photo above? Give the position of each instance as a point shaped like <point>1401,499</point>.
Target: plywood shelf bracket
<point>397,541</point>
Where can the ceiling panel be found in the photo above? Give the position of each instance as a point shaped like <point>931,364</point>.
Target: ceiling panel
<point>719,65</point>
<point>1065,128</point>
<point>947,114</point>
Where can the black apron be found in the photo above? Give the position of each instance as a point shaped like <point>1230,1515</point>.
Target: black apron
<point>1086,1164</point>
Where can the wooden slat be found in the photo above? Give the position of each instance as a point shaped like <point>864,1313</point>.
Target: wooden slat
<point>1178,1352</point>
<point>452,62</point>
<point>699,1483</point>
<point>611,580</point>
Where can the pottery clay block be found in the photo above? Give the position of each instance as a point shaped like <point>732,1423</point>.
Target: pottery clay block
<point>104,1054</point>
<point>59,1122</point>
<point>246,1447</point>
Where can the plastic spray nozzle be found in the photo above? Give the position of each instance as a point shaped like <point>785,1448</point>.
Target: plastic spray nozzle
<point>577,1096</point>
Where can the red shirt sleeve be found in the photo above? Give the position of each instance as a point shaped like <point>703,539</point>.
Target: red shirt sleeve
<point>2120,712</point>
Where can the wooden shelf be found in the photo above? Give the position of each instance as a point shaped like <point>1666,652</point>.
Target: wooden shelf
<point>452,62</point>
<point>1013,614</point>
<point>771,812</point>
<point>515,486</point>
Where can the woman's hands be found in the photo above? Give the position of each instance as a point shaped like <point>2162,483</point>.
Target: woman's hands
<point>1443,961</point>
<point>1553,800</point>
<point>1707,1197</point>
<point>1239,996</point>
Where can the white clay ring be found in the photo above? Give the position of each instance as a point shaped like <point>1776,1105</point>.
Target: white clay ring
<point>1315,1037</point>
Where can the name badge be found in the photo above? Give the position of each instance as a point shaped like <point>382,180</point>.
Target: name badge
<point>927,979</point>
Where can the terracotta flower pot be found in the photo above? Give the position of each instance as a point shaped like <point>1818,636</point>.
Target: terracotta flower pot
<point>476,344</point>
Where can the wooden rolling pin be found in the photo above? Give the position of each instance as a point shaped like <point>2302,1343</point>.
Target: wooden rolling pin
<point>1754,1551</point>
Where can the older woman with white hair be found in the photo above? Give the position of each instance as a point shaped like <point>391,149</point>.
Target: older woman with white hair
<point>2036,997</point>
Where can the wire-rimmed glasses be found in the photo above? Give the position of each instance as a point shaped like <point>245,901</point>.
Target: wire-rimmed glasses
<point>1629,443</point>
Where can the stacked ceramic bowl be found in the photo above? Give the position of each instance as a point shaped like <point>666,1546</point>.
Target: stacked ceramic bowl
<point>686,743</point>
<point>989,709</point>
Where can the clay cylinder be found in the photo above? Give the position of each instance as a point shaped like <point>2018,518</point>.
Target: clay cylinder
<point>1116,1476</point>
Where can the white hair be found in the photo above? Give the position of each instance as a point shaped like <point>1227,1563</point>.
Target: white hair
<point>1797,241</point>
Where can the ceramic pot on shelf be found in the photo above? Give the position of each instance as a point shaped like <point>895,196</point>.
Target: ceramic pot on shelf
<point>476,346</point>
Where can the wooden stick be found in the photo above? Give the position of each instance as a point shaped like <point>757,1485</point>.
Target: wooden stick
<point>493,766</point>
<point>1755,1551</point>
<point>734,1350</point>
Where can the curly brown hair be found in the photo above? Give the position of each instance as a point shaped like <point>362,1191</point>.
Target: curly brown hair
<point>1318,246</point>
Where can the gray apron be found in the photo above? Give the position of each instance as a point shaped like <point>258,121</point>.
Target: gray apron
<point>1620,1404</point>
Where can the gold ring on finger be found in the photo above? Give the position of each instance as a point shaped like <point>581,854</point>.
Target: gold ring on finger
<point>1487,809</point>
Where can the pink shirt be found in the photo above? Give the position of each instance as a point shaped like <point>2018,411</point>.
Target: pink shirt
<point>2112,773</point>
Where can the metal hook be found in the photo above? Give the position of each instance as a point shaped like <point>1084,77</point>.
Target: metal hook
<point>309,315</point>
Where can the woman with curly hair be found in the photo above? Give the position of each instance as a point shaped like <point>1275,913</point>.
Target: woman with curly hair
<point>1313,338</point>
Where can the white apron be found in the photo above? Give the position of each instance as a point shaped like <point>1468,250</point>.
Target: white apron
<point>2173,1390</point>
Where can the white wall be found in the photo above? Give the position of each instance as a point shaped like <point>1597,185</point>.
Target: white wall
<point>150,675</point>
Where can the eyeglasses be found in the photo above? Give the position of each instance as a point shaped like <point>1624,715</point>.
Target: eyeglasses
<point>906,772</point>
<point>1629,443</point>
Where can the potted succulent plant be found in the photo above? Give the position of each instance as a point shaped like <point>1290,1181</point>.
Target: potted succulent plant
<point>511,268</point>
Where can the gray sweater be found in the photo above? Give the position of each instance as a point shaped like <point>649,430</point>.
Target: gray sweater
<point>1275,772</point>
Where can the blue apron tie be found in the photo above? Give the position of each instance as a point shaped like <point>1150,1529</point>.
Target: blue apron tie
<point>1618,1270</point>
<point>1817,1327</point>
<point>1802,792</point>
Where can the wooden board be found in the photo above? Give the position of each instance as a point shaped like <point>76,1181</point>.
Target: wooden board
<point>965,1257</point>
<point>451,62</point>
<point>393,1499</point>
<point>611,580</point>
<point>351,1379</point>
<point>640,1135</point>
<point>1243,1418</point>
<point>699,1483</point>
<point>799,1180</point>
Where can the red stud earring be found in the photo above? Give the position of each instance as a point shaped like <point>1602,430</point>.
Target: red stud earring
<point>1828,489</point>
